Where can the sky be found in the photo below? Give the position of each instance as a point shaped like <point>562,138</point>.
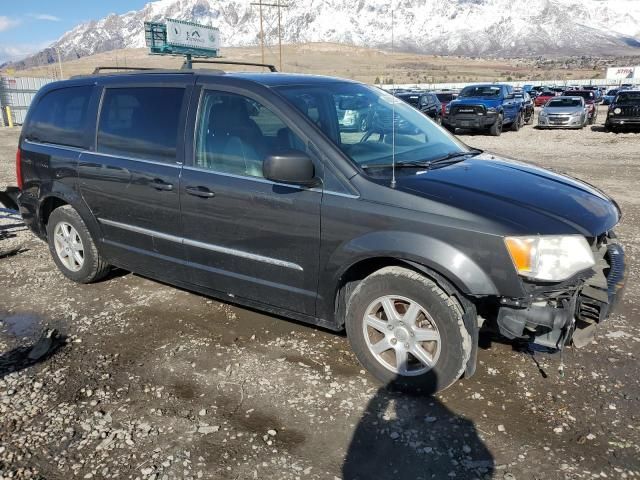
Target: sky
<point>27,26</point>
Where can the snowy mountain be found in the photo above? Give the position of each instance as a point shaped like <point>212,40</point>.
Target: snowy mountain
<point>462,27</point>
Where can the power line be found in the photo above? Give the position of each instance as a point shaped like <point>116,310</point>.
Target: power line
<point>279,6</point>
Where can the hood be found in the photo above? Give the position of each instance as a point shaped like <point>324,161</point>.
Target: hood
<point>563,110</point>
<point>524,199</point>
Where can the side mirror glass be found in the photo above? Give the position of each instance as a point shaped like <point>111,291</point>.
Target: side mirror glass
<point>290,166</point>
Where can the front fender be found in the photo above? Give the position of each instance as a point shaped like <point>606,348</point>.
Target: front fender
<point>439,256</point>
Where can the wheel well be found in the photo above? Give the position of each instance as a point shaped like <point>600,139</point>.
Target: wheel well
<point>48,206</point>
<point>354,274</point>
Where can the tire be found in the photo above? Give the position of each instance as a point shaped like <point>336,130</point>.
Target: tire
<point>401,287</point>
<point>450,128</point>
<point>93,267</point>
<point>530,119</point>
<point>517,123</point>
<point>592,120</point>
<point>496,129</point>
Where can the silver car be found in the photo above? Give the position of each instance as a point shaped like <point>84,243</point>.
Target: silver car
<point>564,112</point>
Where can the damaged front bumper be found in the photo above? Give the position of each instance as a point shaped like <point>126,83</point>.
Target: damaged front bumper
<point>554,315</point>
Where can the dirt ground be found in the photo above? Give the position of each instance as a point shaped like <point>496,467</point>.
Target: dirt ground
<point>154,382</point>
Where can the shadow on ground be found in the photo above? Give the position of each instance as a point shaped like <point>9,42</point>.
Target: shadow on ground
<point>49,343</point>
<point>414,436</point>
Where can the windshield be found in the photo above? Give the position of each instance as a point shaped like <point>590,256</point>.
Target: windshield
<point>445,97</point>
<point>612,93</point>
<point>410,99</point>
<point>480,91</point>
<point>583,94</point>
<point>548,94</point>
<point>367,135</point>
<point>564,102</point>
<point>629,98</point>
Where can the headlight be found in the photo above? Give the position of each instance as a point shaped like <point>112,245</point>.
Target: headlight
<point>617,111</point>
<point>543,113</point>
<point>550,258</point>
<point>492,110</point>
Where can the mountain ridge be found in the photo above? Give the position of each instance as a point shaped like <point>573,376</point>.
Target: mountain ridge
<point>505,28</point>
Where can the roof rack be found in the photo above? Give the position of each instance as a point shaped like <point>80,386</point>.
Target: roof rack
<point>100,69</point>
<point>188,63</point>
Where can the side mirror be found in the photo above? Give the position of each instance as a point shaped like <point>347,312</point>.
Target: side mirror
<point>510,96</point>
<point>289,166</point>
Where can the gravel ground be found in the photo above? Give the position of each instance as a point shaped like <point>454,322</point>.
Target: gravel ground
<point>147,381</point>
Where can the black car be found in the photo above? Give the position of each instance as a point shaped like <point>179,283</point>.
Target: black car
<point>244,187</point>
<point>426,102</point>
<point>527,105</point>
<point>624,111</point>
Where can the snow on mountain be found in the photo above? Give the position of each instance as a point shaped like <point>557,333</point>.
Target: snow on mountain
<point>465,27</point>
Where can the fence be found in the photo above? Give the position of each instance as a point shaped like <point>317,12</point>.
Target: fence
<point>520,83</point>
<point>17,94</point>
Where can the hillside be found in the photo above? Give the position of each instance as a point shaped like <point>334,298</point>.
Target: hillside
<point>357,63</point>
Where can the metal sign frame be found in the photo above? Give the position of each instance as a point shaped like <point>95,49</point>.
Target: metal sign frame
<point>155,34</point>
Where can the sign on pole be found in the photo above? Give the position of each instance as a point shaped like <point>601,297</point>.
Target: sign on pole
<point>192,35</point>
<point>177,37</point>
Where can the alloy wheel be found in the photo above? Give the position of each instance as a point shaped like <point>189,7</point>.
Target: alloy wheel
<point>69,247</point>
<point>401,335</point>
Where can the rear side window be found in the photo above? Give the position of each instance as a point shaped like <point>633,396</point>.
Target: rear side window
<point>140,122</point>
<point>60,117</point>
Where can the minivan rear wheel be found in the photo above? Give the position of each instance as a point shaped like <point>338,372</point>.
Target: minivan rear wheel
<point>407,331</point>
<point>72,247</point>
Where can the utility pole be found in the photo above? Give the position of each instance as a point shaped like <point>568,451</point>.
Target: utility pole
<point>279,6</point>
<point>59,61</point>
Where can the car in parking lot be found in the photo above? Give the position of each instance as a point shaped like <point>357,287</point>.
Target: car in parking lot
<point>426,102</point>
<point>624,111</point>
<point>543,97</point>
<point>485,107</point>
<point>528,109</point>
<point>244,187</point>
<point>353,120</point>
<point>589,99</point>
<point>445,98</point>
<point>564,112</point>
<point>609,96</point>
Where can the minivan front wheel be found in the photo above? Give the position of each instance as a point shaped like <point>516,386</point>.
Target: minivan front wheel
<point>72,247</point>
<point>407,331</point>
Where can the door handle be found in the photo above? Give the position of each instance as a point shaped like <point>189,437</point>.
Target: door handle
<point>160,185</point>
<point>202,192</point>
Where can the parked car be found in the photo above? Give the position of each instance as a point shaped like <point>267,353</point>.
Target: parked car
<point>527,106</point>
<point>426,102</point>
<point>590,99</point>
<point>544,97</point>
<point>445,98</point>
<point>609,96</point>
<point>624,111</point>
<point>353,120</point>
<point>484,107</point>
<point>564,112</point>
<point>243,187</point>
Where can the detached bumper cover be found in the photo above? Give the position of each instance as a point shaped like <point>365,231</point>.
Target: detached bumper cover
<point>604,290</point>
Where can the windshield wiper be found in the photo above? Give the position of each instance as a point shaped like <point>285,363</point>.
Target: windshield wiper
<point>449,158</point>
<point>455,157</point>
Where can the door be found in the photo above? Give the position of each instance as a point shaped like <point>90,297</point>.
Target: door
<point>244,235</point>
<point>511,105</point>
<point>131,182</point>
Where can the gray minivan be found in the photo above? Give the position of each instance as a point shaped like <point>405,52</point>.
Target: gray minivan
<point>244,187</point>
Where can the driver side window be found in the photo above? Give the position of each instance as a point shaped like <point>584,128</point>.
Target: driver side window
<point>235,134</point>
